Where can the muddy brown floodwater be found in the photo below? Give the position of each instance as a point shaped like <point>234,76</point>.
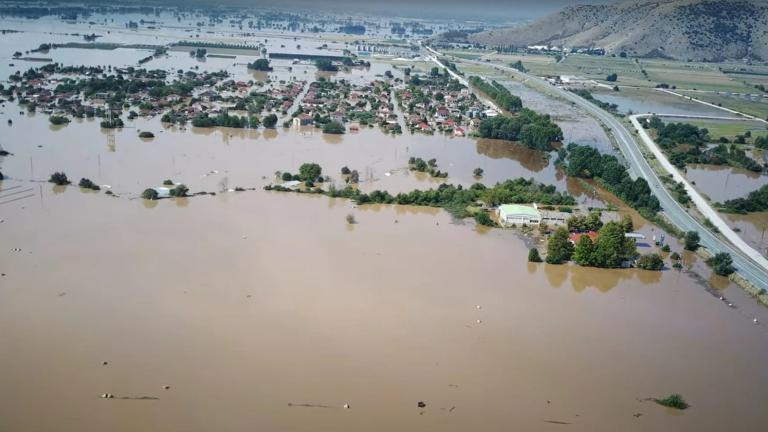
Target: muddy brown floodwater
<point>246,303</point>
<point>269,312</point>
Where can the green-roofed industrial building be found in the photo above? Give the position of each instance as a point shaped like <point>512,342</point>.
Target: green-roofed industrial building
<point>516,214</point>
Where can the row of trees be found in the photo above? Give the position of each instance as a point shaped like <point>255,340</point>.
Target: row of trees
<point>587,162</point>
<point>225,120</point>
<point>534,130</point>
<point>457,200</point>
<point>498,93</point>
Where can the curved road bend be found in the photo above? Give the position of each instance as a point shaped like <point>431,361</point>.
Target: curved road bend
<point>639,167</point>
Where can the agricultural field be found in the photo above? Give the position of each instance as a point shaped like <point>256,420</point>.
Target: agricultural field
<point>752,106</point>
<point>691,76</point>
<point>725,128</point>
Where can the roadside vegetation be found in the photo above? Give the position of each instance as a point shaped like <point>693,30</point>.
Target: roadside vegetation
<point>587,163</point>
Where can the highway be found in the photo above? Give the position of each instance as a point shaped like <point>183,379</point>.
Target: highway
<point>639,167</point>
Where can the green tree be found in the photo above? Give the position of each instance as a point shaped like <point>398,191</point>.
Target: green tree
<point>270,121</point>
<point>650,261</point>
<point>88,184</point>
<point>326,65</point>
<point>260,65</point>
<point>584,252</point>
<point>612,77</point>
<point>287,176</point>
<point>482,218</point>
<point>149,194</point>
<point>533,255</point>
<point>478,172</point>
<point>559,248</point>
<point>722,264</point>
<point>179,191</point>
<point>626,222</point>
<point>612,247</point>
<point>691,240</point>
<point>309,171</point>
<point>59,179</point>
<point>334,127</point>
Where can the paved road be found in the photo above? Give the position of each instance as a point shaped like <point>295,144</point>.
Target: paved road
<point>639,167</point>
<point>698,200</point>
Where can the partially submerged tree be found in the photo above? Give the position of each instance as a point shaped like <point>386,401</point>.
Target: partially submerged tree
<point>59,178</point>
<point>533,255</point>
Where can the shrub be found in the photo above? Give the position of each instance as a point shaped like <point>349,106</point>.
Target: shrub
<point>88,184</point>
<point>58,120</point>
<point>345,171</point>
<point>179,191</point>
<point>287,176</point>
<point>533,255</point>
<point>691,240</point>
<point>478,172</point>
<point>270,121</point>
<point>168,182</point>
<point>650,262</point>
<point>722,264</point>
<point>59,178</point>
<point>673,401</point>
<point>149,194</point>
<point>116,122</point>
<point>334,127</point>
<point>665,248</point>
<point>482,218</point>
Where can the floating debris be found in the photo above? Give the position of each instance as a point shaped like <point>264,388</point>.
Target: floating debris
<point>421,404</point>
<point>346,406</point>
<point>107,396</point>
<point>755,321</point>
<point>166,387</point>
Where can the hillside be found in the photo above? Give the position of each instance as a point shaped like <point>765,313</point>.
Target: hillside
<point>712,30</point>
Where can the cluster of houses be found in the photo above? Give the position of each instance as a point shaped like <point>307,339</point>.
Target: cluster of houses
<point>435,108</point>
<point>345,103</point>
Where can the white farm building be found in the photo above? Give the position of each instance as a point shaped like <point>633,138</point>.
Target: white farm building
<point>515,214</point>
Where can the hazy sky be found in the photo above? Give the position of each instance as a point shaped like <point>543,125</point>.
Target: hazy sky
<point>496,10</point>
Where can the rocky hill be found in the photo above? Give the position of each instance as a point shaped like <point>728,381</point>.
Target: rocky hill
<point>711,30</point>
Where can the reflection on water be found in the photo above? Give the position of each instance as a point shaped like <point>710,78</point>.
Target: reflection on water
<point>584,278</point>
<point>721,183</point>
<point>530,159</point>
<point>751,227</point>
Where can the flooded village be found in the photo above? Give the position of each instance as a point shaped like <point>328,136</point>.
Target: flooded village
<point>236,219</point>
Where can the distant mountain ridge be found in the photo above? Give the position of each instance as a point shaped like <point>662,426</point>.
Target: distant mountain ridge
<point>708,30</point>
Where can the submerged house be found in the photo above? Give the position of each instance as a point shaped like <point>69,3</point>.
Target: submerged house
<point>516,214</point>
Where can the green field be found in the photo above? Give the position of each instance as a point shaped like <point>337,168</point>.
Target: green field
<point>733,77</point>
<point>724,128</point>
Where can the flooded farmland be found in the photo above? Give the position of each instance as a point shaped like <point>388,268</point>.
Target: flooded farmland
<point>259,310</point>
